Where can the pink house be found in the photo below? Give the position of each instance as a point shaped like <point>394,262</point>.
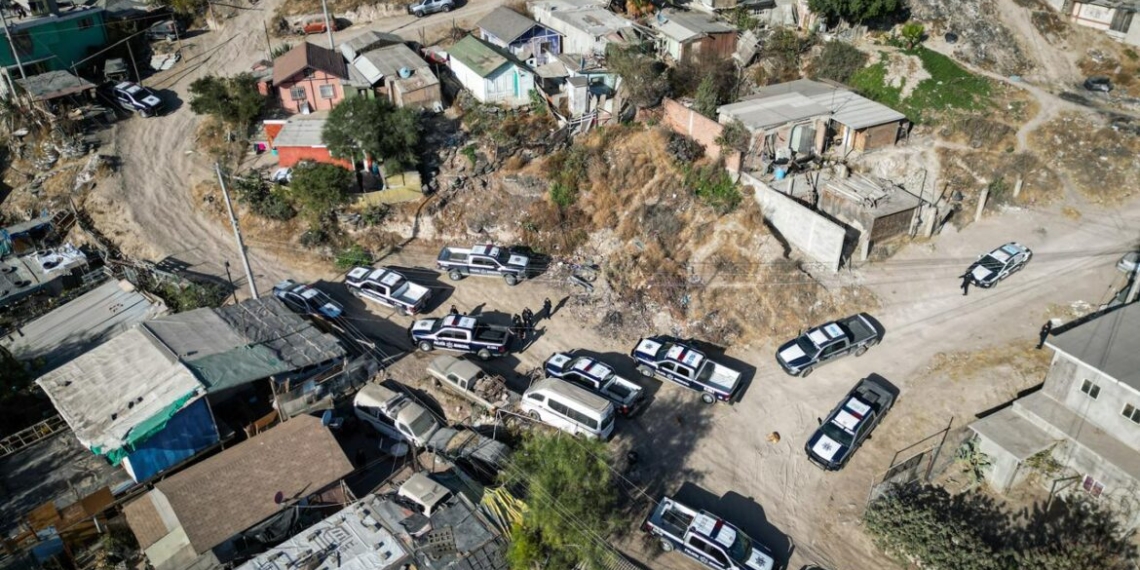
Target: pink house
<point>309,78</point>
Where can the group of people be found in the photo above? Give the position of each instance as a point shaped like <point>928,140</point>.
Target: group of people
<point>522,325</point>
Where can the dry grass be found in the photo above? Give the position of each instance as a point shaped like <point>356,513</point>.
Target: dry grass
<point>1102,162</point>
<point>1117,61</point>
<point>1071,213</point>
<point>970,172</point>
<point>1020,359</point>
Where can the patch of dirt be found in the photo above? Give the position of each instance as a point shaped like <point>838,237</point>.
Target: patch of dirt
<point>982,38</point>
<point>1103,162</point>
<point>904,72</point>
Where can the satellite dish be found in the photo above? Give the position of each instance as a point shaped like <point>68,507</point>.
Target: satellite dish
<point>279,498</point>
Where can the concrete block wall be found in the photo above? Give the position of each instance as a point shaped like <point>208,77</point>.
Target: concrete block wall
<point>683,120</point>
<point>818,237</point>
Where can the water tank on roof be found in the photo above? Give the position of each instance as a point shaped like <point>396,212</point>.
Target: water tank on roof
<point>405,73</point>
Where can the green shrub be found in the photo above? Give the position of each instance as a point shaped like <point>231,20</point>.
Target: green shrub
<point>562,195</point>
<point>353,257</point>
<point>713,186</point>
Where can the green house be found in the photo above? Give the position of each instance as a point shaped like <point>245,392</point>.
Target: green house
<point>53,41</point>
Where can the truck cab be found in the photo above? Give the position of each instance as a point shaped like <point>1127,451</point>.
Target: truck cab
<point>394,415</point>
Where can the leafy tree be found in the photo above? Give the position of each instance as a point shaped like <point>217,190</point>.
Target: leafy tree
<point>924,523</point>
<point>185,7</point>
<point>235,100</point>
<point>570,499</point>
<point>318,188</point>
<point>838,61</point>
<point>643,75</point>
<point>783,52</point>
<point>857,11</point>
<point>376,127</point>
<point>707,98</point>
<point>912,34</point>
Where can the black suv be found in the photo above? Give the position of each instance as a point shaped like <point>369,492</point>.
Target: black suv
<point>135,97</point>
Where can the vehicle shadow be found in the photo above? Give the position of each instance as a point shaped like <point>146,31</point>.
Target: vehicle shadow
<point>171,102</point>
<point>743,513</point>
<point>539,262</point>
<point>361,324</point>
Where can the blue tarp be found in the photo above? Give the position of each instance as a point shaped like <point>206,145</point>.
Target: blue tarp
<point>187,432</point>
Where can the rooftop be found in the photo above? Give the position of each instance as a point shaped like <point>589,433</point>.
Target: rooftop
<point>237,488</point>
<point>81,324</point>
<point>594,20</point>
<point>352,539</point>
<point>686,26</point>
<point>53,84</point>
<point>876,196</point>
<point>377,64</point>
<point>478,55</point>
<point>64,15</point>
<point>1106,343</point>
<point>506,24</point>
<point>367,41</point>
<point>307,55</point>
<point>302,130</point>
<point>803,99</point>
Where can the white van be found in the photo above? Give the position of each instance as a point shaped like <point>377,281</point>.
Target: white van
<point>569,408</point>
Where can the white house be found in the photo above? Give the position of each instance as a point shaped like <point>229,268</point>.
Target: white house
<point>586,26</point>
<point>1114,17</point>
<point>491,74</point>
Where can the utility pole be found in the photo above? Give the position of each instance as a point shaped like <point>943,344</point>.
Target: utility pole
<point>328,22</point>
<point>133,64</point>
<point>15,52</point>
<point>237,232</point>
<point>268,44</point>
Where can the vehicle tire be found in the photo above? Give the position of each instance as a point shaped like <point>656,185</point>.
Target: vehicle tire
<point>511,279</point>
<point>645,371</point>
<point>447,8</point>
<point>872,342</point>
<point>534,415</point>
<point>425,346</point>
<point>860,351</point>
<point>483,354</point>
<point>419,14</point>
<point>806,371</point>
<point>708,398</point>
<point>454,275</point>
<point>145,114</point>
<point>667,545</point>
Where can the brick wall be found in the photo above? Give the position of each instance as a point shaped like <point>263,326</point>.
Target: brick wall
<point>683,120</point>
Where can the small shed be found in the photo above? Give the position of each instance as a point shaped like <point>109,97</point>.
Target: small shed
<point>491,74</point>
<point>525,38</point>
<point>299,138</point>
<point>878,209</point>
<point>684,35</point>
<point>55,85</point>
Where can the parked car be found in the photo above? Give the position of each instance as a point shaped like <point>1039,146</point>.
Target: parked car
<point>1098,83</point>
<point>421,8</point>
<point>993,267</point>
<point>461,333</point>
<point>115,71</point>
<point>703,536</point>
<point>168,30</point>
<point>597,377</point>
<point>314,25</point>
<point>671,359</point>
<point>486,260</point>
<point>1128,262</point>
<point>307,300</point>
<point>852,335</point>
<point>850,423</point>
<point>136,98</point>
<point>387,287</point>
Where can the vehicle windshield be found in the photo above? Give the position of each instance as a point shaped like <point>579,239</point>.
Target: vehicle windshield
<point>837,433</point>
<point>741,548</point>
<point>807,345</point>
<point>422,424</point>
<point>989,262</point>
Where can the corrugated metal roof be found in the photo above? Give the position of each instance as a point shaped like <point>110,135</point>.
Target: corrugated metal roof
<point>81,324</point>
<point>758,114</point>
<point>856,111</point>
<point>302,130</point>
<point>387,61</point>
<point>372,39</point>
<point>53,84</point>
<point>506,24</point>
<point>269,323</point>
<point>685,26</point>
<point>478,56</point>
<point>803,99</point>
<point>106,392</point>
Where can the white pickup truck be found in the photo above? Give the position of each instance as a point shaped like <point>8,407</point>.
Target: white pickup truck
<point>705,537</point>
<point>388,288</point>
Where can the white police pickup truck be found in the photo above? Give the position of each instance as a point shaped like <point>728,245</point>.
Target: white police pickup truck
<point>387,287</point>
<point>460,333</point>
<point>597,377</point>
<point>852,335</point>
<point>707,538</point>
<point>671,359</point>
<point>486,260</point>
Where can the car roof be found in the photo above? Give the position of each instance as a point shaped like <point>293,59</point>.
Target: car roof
<point>591,367</point>
<point>459,321</point>
<point>487,249</point>
<point>715,528</point>
<point>688,356</point>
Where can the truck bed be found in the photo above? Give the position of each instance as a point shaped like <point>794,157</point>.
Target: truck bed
<point>490,333</point>
<point>861,330</point>
<point>723,377</point>
<point>412,293</point>
<point>671,518</point>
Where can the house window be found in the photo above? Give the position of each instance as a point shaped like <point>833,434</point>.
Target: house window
<point>1131,412</point>
<point>85,23</point>
<point>297,93</point>
<point>1091,390</point>
<point>328,91</point>
<point>1092,486</point>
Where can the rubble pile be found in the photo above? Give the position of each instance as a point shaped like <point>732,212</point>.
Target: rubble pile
<point>982,40</point>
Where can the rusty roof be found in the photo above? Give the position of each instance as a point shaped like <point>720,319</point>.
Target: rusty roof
<point>235,489</point>
<point>306,56</point>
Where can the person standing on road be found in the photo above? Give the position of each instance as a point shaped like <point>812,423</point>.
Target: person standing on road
<point>1045,330</point>
<point>528,317</point>
<point>965,284</point>
<point>517,327</point>
<point>453,311</point>
<point>547,307</point>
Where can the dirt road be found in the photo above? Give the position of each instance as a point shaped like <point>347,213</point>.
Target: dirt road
<point>147,208</point>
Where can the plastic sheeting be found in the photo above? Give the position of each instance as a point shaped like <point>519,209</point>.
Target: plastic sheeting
<point>189,431</point>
